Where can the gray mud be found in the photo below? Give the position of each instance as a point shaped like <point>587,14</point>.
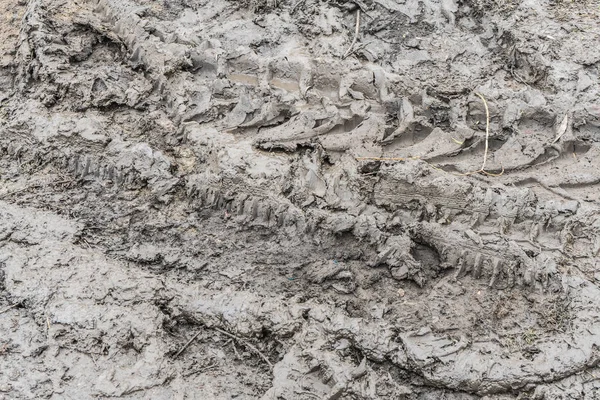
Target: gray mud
<point>239,199</point>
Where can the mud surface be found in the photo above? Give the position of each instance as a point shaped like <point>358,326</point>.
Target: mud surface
<point>309,199</point>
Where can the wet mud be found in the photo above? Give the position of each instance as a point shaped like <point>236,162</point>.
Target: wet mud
<point>308,199</point>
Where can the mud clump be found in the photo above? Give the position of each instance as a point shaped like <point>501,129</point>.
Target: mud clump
<point>286,199</point>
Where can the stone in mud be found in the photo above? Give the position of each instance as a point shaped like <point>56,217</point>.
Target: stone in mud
<point>400,273</point>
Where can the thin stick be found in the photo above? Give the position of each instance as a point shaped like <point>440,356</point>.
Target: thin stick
<point>362,6</point>
<point>562,128</point>
<point>243,342</point>
<point>487,130</point>
<point>388,158</point>
<point>308,393</point>
<point>296,6</point>
<point>199,370</point>
<point>347,53</point>
<point>89,353</point>
<point>485,154</point>
<point>93,359</point>
<point>9,308</point>
<point>38,185</point>
<point>187,344</point>
<point>498,174</point>
<point>362,46</point>
<point>234,348</point>
<point>115,353</point>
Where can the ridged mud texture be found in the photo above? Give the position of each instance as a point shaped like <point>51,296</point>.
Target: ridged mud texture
<point>286,200</point>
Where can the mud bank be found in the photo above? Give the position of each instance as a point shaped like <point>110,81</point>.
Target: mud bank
<point>299,199</point>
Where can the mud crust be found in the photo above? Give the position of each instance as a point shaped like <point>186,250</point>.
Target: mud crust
<point>241,199</point>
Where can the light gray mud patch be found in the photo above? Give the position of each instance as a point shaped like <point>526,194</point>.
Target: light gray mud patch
<point>217,199</point>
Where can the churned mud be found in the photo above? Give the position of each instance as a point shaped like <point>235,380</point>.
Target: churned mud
<point>299,199</point>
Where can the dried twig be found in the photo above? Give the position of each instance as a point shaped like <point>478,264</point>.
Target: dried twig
<point>485,153</point>
<point>87,352</point>
<point>8,308</point>
<point>298,3</point>
<point>235,349</point>
<point>244,343</point>
<point>363,7</point>
<point>35,186</point>
<point>361,47</point>
<point>487,130</point>
<point>348,52</point>
<point>307,393</point>
<point>187,344</point>
<point>200,370</point>
<point>114,354</point>
<point>387,158</point>
<point>561,128</point>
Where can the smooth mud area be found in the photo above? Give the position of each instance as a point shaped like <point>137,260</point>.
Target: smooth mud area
<point>300,199</point>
